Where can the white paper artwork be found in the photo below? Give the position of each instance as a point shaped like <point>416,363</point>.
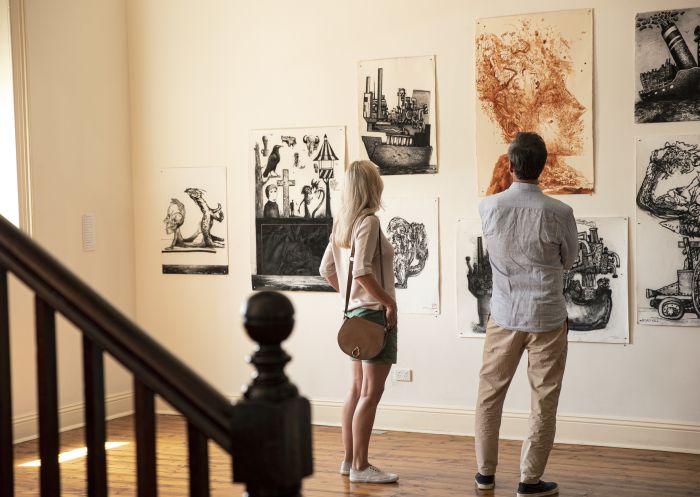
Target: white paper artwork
<point>411,225</point>
<point>473,280</point>
<point>193,235</point>
<point>397,114</point>
<point>296,175</point>
<point>595,289</point>
<point>668,230</point>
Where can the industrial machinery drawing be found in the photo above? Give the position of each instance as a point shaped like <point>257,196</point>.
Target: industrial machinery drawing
<point>587,292</point>
<point>406,128</point>
<point>683,295</point>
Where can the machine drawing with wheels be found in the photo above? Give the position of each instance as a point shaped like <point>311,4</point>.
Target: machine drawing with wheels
<point>683,295</point>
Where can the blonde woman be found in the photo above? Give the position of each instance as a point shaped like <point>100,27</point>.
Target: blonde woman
<point>357,224</point>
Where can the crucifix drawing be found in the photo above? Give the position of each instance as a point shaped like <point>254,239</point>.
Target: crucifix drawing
<point>285,183</point>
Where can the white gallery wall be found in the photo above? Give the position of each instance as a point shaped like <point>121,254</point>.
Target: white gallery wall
<point>79,146</point>
<point>203,74</point>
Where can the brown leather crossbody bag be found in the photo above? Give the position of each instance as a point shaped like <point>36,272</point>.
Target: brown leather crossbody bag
<point>358,337</point>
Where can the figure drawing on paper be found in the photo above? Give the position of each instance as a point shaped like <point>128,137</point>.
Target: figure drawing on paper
<point>293,206</point>
<point>677,206</point>
<point>203,239</point>
<point>193,238</point>
<point>670,192</point>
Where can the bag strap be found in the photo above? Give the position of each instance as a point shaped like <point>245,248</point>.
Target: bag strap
<point>352,261</point>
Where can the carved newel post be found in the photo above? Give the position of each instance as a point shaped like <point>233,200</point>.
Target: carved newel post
<point>272,424</point>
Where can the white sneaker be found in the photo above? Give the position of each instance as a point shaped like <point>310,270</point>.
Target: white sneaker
<point>372,474</point>
<point>345,467</point>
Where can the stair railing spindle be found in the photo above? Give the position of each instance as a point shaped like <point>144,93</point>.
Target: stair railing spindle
<point>6,436</point>
<point>198,462</point>
<point>145,431</point>
<point>50,482</point>
<point>95,435</point>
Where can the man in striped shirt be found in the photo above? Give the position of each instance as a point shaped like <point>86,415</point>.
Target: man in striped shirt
<point>532,239</point>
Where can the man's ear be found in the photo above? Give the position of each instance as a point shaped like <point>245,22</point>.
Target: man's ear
<point>510,167</point>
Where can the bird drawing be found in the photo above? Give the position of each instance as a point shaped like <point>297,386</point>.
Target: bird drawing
<point>272,162</point>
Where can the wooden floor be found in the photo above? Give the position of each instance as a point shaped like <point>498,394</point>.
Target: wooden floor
<point>429,465</point>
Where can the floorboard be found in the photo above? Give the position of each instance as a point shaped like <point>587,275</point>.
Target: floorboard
<point>428,465</point>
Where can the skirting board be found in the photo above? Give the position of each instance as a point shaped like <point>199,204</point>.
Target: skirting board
<point>579,430</point>
<point>582,430</point>
<point>71,416</point>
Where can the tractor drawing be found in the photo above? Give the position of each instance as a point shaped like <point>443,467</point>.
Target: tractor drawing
<point>683,295</point>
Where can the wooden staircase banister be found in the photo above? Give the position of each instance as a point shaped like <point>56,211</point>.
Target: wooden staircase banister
<point>115,333</point>
<point>210,415</point>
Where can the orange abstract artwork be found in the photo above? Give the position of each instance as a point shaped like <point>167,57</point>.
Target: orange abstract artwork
<point>534,74</point>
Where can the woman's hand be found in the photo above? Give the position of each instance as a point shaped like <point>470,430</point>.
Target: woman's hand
<point>390,315</point>
<point>370,284</point>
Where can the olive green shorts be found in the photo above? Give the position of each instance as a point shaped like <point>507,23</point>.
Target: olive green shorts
<point>388,353</point>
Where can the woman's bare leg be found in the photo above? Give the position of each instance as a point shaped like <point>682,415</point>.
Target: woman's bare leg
<point>349,408</point>
<point>374,377</point>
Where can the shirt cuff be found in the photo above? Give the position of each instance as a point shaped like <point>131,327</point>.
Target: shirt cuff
<point>361,271</point>
<point>326,271</point>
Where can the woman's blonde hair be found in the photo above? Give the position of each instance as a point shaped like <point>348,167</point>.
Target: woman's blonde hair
<point>362,196</point>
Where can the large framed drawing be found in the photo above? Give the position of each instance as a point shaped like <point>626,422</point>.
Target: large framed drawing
<point>534,73</point>
<point>411,225</point>
<point>667,79</point>
<point>595,289</point>
<point>296,176</point>
<point>668,231</point>
<point>400,138</point>
<point>194,236</point>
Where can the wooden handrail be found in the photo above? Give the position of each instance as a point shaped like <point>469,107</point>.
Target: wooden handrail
<point>116,333</point>
<point>269,402</point>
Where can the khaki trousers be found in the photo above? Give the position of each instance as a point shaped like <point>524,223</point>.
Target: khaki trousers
<point>546,354</point>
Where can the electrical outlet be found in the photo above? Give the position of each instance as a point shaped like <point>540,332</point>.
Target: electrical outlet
<point>401,374</point>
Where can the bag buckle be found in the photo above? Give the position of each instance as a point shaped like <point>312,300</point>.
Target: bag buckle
<point>356,352</point>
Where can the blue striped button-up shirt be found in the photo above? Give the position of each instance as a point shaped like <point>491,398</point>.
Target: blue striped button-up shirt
<point>531,239</point>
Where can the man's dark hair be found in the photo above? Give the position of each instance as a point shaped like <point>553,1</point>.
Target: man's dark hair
<point>267,190</point>
<point>528,154</point>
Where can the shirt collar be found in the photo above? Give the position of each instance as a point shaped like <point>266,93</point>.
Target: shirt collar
<point>524,187</point>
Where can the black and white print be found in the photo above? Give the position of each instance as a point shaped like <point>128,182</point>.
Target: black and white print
<point>296,176</point>
<point>411,225</point>
<point>668,230</point>
<point>474,282</point>
<point>397,114</point>
<point>668,76</point>
<point>595,289</point>
<point>193,234</point>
